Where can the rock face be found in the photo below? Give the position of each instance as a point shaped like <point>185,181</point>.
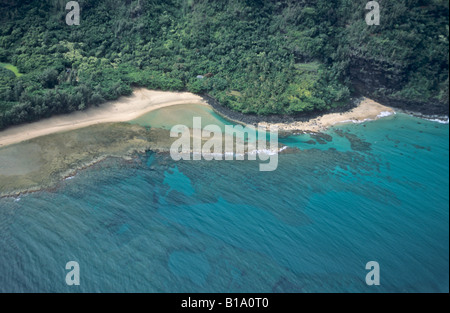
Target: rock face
<point>369,76</point>
<point>379,80</point>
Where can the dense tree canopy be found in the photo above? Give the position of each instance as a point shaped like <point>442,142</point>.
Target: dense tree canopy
<point>256,56</point>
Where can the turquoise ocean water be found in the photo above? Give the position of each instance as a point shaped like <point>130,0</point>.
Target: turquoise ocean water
<point>376,191</point>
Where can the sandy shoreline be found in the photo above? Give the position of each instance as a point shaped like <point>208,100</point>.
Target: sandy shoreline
<point>143,101</point>
<point>55,148</point>
<point>366,110</point>
<point>124,109</point>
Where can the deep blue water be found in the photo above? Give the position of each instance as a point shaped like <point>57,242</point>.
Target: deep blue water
<point>376,191</point>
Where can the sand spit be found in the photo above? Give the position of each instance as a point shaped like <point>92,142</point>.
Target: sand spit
<point>124,109</point>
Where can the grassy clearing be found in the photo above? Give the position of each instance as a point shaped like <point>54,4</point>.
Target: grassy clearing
<point>12,68</point>
<point>308,67</point>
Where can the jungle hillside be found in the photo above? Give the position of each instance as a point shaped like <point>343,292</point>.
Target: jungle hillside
<point>288,57</point>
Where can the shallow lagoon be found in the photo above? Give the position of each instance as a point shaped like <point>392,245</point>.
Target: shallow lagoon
<point>376,191</point>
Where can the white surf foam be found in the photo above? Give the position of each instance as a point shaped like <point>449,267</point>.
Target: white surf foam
<point>436,120</point>
<point>384,114</point>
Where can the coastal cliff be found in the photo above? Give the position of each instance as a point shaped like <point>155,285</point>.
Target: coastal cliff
<point>381,81</point>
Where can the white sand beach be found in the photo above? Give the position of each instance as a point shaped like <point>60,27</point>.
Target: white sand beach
<point>124,109</point>
<point>366,110</point>
<point>143,101</point>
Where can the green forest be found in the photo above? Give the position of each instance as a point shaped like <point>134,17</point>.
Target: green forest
<point>254,56</point>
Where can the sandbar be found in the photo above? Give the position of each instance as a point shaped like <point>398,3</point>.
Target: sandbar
<point>124,109</point>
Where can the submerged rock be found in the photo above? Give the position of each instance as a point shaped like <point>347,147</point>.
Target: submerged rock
<point>44,161</point>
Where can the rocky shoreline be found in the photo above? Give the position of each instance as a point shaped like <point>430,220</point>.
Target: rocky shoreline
<point>254,119</point>
<point>417,108</point>
<point>358,110</point>
<point>432,117</point>
<point>289,125</point>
